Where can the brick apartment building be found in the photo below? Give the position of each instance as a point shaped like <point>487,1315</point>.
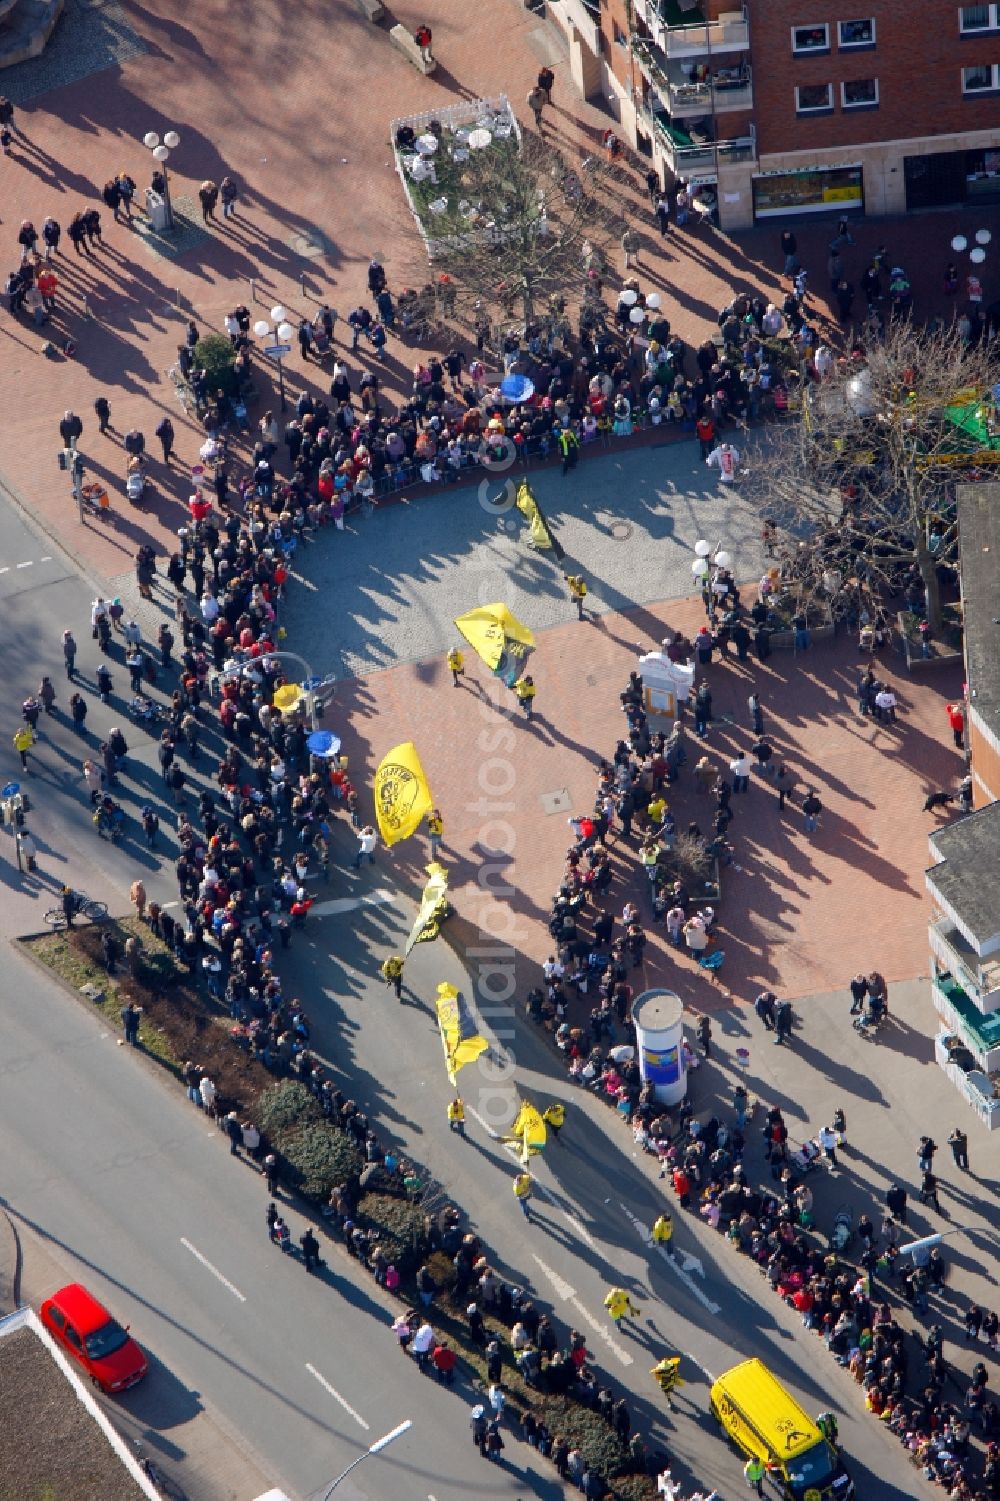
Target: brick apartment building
<point>786,107</point>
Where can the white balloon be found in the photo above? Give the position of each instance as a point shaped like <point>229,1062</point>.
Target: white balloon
<point>703,548</point>
<point>653,300</point>
<point>959,243</point>
<point>150,139</point>
<point>172,139</point>
<point>261,329</point>
<point>637,315</point>
<point>628,297</point>
<point>977,255</point>
<point>983,237</point>
<point>278,314</point>
<point>723,559</point>
<point>699,568</point>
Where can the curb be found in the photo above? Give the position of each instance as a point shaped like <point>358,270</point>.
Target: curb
<point>11,1263</point>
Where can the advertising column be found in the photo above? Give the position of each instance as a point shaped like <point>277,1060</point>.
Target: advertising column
<point>658,1017</point>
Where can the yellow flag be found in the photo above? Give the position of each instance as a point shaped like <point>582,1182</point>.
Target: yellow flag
<point>461,1042</point>
<point>528,507</point>
<point>402,796</point>
<point>433,907</point>
<point>529,1130</point>
<point>490,629</point>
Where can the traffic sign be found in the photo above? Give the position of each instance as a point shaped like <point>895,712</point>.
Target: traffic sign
<point>276,351</point>
<point>10,790</point>
<point>311,684</point>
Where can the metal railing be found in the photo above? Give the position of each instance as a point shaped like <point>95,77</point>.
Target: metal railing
<point>727,34</point>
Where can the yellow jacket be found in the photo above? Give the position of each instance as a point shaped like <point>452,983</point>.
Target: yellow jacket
<point>555,1115</point>
<point>522,1185</point>
<point>456,1110</point>
<point>523,689</point>
<point>24,739</point>
<point>455,660</point>
<point>663,1229</point>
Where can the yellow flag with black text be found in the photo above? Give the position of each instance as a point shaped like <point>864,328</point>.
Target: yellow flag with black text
<point>433,907</point>
<point>459,1036</point>
<point>529,1130</point>
<point>402,796</point>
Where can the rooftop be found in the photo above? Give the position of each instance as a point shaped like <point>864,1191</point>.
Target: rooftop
<point>54,1439</point>
<point>979,531</point>
<point>968,879</point>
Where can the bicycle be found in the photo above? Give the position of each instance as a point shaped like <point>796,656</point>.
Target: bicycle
<point>94,911</point>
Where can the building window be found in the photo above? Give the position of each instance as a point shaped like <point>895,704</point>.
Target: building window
<point>981,78</point>
<point>973,18</point>
<point>860,93</point>
<point>810,39</point>
<point>814,98</point>
<point>621,40</point>
<point>852,34</point>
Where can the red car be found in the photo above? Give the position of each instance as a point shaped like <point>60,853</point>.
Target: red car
<point>106,1351</point>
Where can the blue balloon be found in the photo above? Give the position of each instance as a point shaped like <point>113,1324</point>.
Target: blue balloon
<point>517,387</point>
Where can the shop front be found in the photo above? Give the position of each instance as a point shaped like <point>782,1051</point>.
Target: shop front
<point>809,190</point>
<point>946,179</point>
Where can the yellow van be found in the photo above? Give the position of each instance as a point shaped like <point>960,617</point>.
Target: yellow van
<point>763,1420</point>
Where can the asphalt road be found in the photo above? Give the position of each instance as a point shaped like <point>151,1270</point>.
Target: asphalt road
<point>135,1194</point>
<point>596,1199</point>
<point>118,1171</point>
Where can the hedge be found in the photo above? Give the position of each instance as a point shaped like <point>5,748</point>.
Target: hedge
<point>317,1158</point>
<point>400,1228</point>
<point>285,1106</point>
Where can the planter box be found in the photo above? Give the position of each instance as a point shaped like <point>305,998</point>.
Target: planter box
<point>824,631</point>
<point>916,661</point>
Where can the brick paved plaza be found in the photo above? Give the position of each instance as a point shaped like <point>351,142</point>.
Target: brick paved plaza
<point>300,117</point>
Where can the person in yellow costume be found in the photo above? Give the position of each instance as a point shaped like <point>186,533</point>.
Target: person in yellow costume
<point>522,1186</point>
<point>577,586</point>
<point>555,1117</point>
<point>667,1378</point>
<point>525,691</point>
<point>620,1306</point>
<point>456,665</point>
<point>663,1233</point>
<point>456,1115</point>
<point>392,973</point>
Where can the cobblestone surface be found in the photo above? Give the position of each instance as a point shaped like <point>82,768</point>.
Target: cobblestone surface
<point>91,36</point>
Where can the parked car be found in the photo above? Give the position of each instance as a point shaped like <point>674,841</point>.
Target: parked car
<point>96,1341</point>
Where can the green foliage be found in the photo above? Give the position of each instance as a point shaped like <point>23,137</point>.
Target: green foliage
<point>285,1106</point>
<point>214,353</point>
<point>400,1228</point>
<point>318,1157</point>
<point>585,1429</point>
<point>159,971</point>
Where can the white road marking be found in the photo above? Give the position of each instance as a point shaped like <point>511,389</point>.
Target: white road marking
<point>5,570</point>
<point>494,1135</point>
<point>47,558</point>
<point>26,565</point>
<point>213,1269</point>
<point>336,1395</point>
<point>692,1263</point>
<point>563,1290</point>
<point>672,1262</point>
<point>352,903</point>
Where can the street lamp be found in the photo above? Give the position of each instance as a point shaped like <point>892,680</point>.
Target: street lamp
<point>310,683</point>
<point>375,1448</point>
<point>161,151</point>
<point>280,332</point>
<point>708,557</point>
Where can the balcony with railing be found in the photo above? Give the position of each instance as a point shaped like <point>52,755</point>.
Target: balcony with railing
<point>682,30</point>
<point>723,90</point>
<point>980,1034</point>
<point>979,977</point>
<point>689,152</point>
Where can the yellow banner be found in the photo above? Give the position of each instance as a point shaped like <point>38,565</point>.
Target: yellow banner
<point>489,629</point>
<point>528,1129</point>
<point>402,796</point>
<point>433,907</point>
<point>461,1042</point>
<point>528,507</point>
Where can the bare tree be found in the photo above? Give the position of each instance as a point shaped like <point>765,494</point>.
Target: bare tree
<point>519,231</point>
<point>856,488</point>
